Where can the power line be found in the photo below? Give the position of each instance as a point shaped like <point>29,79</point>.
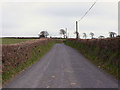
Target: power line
<point>77,34</point>
<point>88,11</point>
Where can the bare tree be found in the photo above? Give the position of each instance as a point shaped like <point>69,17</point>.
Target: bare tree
<point>62,32</point>
<point>92,34</point>
<point>112,34</point>
<point>84,35</point>
<point>43,34</point>
<point>101,37</point>
<point>77,34</point>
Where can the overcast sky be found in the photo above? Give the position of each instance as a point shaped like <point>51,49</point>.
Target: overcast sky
<point>29,18</point>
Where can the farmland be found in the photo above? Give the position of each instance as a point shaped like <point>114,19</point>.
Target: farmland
<point>13,40</point>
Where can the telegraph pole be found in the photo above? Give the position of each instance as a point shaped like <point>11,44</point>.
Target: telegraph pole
<point>76,29</point>
<point>77,34</point>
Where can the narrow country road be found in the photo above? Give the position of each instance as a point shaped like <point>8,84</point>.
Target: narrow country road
<point>63,67</point>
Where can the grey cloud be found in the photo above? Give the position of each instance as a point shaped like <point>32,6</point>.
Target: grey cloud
<point>18,18</point>
<point>63,10</point>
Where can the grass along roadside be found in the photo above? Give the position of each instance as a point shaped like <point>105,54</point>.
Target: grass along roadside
<point>36,54</point>
<point>103,58</point>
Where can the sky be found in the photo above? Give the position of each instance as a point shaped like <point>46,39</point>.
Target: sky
<point>27,19</point>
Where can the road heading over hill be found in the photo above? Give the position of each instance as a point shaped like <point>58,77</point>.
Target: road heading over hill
<point>63,67</point>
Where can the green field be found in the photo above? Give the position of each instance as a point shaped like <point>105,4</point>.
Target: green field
<point>12,40</point>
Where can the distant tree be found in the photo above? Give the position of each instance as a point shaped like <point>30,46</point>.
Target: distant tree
<point>101,37</point>
<point>62,32</point>
<point>118,36</point>
<point>43,34</point>
<point>92,34</point>
<point>84,35</point>
<point>112,34</point>
<point>77,33</point>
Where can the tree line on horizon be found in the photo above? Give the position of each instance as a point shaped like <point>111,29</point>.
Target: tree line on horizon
<point>44,34</point>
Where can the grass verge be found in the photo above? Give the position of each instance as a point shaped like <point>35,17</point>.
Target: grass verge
<point>104,58</point>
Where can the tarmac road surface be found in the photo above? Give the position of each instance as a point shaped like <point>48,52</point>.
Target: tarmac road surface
<point>63,67</point>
